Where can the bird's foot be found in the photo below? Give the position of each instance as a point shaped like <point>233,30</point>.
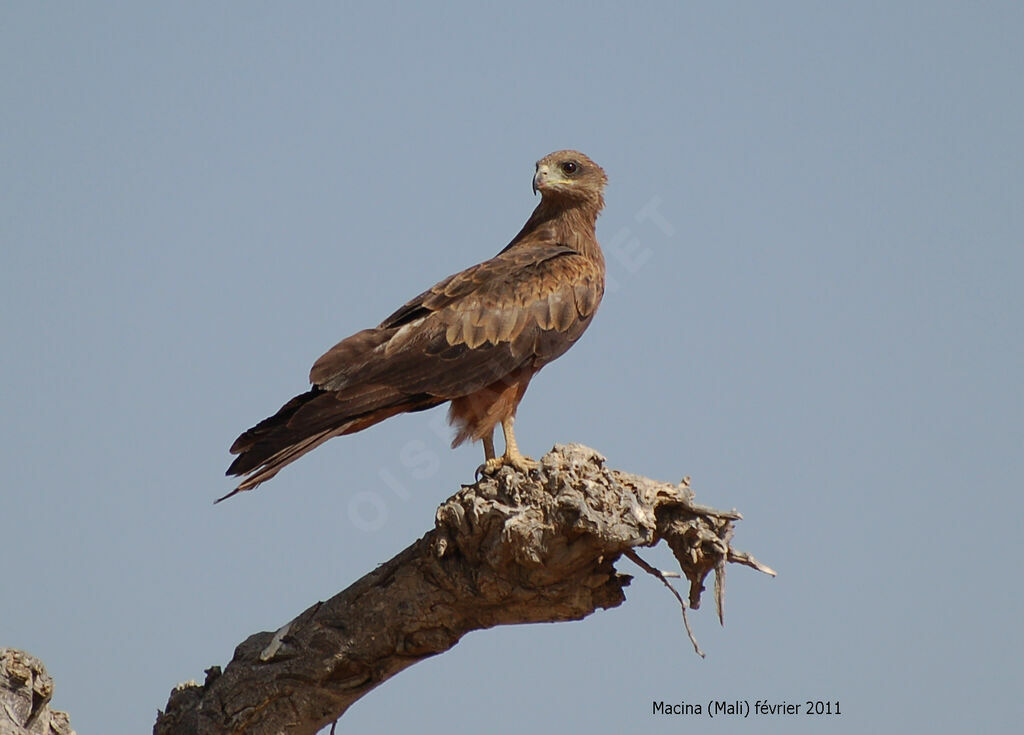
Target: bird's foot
<point>516,461</point>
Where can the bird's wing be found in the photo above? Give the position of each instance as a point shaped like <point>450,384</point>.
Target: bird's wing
<point>529,303</point>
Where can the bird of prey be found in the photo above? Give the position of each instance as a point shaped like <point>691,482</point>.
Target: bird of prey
<point>475,339</point>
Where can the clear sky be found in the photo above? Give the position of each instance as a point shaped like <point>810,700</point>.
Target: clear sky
<point>816,253</point>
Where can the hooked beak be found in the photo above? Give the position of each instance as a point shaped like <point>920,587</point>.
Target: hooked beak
<point>540,178</point>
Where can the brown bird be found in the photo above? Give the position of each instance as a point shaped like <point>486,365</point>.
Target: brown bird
<point>474,339</point>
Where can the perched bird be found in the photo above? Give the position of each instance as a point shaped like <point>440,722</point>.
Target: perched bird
<point>474,339</point>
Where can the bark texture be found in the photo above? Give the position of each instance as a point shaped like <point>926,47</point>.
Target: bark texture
<point>511,548</point>
<point>25,693</point>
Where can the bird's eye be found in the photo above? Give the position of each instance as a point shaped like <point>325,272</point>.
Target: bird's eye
<point>570,167</point>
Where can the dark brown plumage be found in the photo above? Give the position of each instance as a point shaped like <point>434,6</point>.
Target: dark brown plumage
<point>474,339</point>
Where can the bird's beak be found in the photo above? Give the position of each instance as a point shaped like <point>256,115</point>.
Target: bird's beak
<point>540,178</point>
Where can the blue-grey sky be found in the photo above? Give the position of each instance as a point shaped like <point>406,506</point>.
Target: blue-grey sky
<point>816,249</point>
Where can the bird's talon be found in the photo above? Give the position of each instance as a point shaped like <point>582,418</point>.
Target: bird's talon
<point>527,465</point>
<point>491,466</point>
<point>519,463</point>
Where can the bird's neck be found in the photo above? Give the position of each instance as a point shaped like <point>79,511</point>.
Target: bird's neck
<point>567,223</point>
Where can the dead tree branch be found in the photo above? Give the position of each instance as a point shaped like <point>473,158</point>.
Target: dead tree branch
<point>25,693</point>
<point>508,549</point>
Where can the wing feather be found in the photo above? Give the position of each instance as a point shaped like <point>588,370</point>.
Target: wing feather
<point>474,334</point>
<point>504,321</point>
<point>540,310</point>
<point>586,296</point>
<point>562,307</point>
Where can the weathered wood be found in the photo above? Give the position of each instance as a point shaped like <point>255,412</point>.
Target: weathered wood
<point>508,549</point>
<point>25,693</point>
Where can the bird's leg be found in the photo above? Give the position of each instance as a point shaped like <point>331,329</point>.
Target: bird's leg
<point>512,456</point>
<point>489,446</point>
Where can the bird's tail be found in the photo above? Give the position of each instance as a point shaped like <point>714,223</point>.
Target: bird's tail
<point>273,464</point>
<point>306,422</point>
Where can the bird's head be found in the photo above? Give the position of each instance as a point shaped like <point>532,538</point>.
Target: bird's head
<point>569,175</point>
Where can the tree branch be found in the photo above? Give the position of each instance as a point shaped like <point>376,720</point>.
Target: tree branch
<point>508,549</point>
<point>25,693</point>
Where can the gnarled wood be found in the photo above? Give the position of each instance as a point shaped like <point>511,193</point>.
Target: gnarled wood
<point>25,693</point>
<point>512,548</point>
